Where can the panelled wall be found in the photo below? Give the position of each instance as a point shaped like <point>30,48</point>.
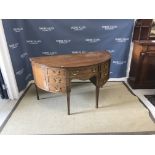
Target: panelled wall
<point>29,38</point>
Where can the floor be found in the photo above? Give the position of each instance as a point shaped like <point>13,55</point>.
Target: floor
<point>140,93</point>
<point>6,106</point>
<point>49,115</point>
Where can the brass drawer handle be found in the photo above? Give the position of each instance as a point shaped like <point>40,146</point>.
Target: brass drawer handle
<point>75,72</point>
<point>57,80</point>
<point>54,72</point>
<point>56,89</point>
<point>93,70</point>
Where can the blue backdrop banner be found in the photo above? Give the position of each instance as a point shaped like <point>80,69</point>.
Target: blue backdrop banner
<point>29,38</point>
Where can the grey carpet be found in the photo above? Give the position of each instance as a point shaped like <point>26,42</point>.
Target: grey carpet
<point>119,112</point>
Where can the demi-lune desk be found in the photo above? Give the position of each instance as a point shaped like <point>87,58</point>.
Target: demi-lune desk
<point>54,73</point>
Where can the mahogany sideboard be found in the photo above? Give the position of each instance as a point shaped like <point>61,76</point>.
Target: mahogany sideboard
<point>142,69</point>
<point>54,73</point>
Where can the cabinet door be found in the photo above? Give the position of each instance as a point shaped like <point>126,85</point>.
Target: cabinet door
<point>147,69</point>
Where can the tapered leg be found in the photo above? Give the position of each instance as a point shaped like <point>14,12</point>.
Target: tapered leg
<point>97,95</point>
<point>37,92</point>
<point>68,101</point>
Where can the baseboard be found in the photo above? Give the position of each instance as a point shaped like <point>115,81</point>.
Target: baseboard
<point>118,79</point>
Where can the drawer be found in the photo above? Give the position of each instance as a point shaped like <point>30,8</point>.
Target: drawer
<point>104,69</point>
<point>103,80</point>
<point>54,87</point>
<point>83,73</point>
<point>104,73</point>
<point>151,48</point>
<point>57,80</point>
<point>56,72</point>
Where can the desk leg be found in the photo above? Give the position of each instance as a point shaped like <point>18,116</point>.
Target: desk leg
<point>97,95</point>
<point>68,101</point>
<point>97,90</point>
<point>37,92</point>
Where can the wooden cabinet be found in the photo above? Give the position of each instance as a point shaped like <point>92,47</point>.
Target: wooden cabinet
<point>142,69</point>
<point>142,29</point>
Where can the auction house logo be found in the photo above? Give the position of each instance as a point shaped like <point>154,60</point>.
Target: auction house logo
<point>78,52</point>
<point>46,29</point>
<point>49,53</point>
<point>23,55</point>
<point>92,40</point>
<point>63,41</point>
<point>20,72</point>
<point>13,46</point>
<point>78,28</point>
<point>111,51</point>
<point>119,62</point>
<point>109,27</point>
<point>33,42</point>
<point>27,77</point>
<point>18,29</point>
<point>121,40</point>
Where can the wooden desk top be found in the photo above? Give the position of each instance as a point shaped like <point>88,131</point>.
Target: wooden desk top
<point>72,60</point>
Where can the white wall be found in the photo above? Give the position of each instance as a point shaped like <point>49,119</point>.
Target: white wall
<point>6,66</point>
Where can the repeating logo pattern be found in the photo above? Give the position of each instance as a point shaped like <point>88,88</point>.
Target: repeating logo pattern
<point>51,37</point>
<point>20,72</point>
<point>13,46</point>
<point>46,29</point>
<point>92,40</point>
<point>33,42</point>
<point>119,62</point>
<point>111,50</point>
<point>78,52</point>
<point>78,28</point>
<point>121,40</point>
<point>49,53</point>
<point>63,41</point>
<point>28,76</point>
<point>109,27</point>
<point>18,29</point>
<point>23,55</point>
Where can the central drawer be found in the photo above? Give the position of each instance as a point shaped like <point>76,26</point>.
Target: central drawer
<point>83,73</point>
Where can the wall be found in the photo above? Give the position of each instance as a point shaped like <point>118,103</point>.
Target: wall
<point>6,67</point>
<point>29,38</point>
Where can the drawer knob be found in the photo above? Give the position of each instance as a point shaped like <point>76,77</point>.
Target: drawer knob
<point>94,70</point>
<point>56,89</point>
<point>57,80</point>
<point>75,72</point>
